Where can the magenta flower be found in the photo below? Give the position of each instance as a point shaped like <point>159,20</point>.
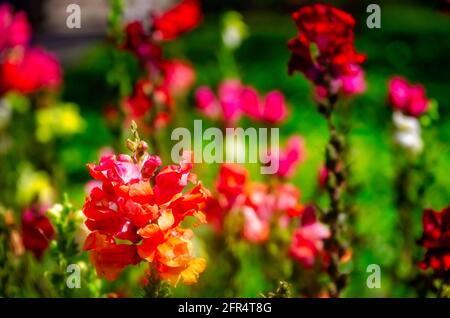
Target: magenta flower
<point>290,157</point>
<point>234,99</point>
<point>230,92</point>
<point>272,109</point>
<point>14,28</point>
<point>407,98</point>
<point>353,82</point>
<point>206,102</point>
<point>226,105</point>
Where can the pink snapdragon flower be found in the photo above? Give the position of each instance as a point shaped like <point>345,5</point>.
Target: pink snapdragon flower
<point>290,157</point>
<point>407,98</point>
<point>227,103</point>
<point>235,99</point>
<point>353,82</point>
<point>14,28</point>
<point>179,76</point>
<point>271,109</point>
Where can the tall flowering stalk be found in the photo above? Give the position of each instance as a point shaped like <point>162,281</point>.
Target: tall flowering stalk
<point>409,104</point>
<point>324,52</point>
<point>136,213</point>
<point>150,99</point>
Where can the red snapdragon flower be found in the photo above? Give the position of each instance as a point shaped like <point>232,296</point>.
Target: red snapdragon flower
<point>181,18</point>
<point>324,48</point>
<point>436,239</point>
<point>148,102</point>
<point>407,98</point>
<point>135,215</point>
<point>308,240</point>
<point>37,231</point>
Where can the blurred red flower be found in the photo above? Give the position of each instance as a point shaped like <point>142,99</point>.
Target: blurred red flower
<point>29,70</point>
<point>37,231</point>
<point>181,18</point>
<point>407,98</point>
<point>436,239</point>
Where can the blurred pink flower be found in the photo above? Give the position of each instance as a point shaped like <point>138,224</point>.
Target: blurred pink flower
<point>272,109</point>
<point>353,82</point>
<point>230,97</point>
<point>179,76</point>
<point>290,157</point>
<point>14,28</point>
<point>227,105</point>
<point>407,98</point>
<point>307,242</point>
<point>256,229</point>
<point>236,99</point>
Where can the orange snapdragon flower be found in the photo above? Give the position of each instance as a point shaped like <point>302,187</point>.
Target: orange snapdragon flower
<point>135,215</point>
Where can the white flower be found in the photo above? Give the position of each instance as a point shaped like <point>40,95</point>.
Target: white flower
<point>231,37</point>
<point>234,30</point>
<point>408,132</point>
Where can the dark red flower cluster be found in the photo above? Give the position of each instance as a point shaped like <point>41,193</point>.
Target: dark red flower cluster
<point>258,203</point>
<point>152,96</point>
<point>135,215</point>
<point>324,49</point>
<point>436,240</point>
<point>37,231</point>
<point>23,68</point>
